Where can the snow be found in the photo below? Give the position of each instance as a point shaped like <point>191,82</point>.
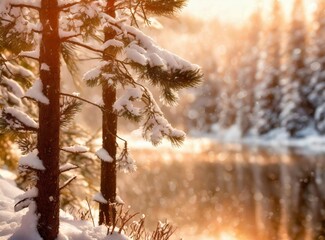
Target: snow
<point>126,164</point>
<point>32,160</point>
<point>113,43</point>
<point>76,149</point>
<point>36,92</point>
<point>32,3</point>
<point>21,117</point>
<point>172,61</point>
<point>135,56</point>
<point>13,85</point>
<point>24,200</point>
<point>95,72</point>
<point>116,236</point>
<point>98,197</point>
<point>67,167</point>
<point>103,155</point>
<point>124,103</point>
<point>19,70</point>
<point>22,225</point>
<point>45,67</point>
<point>119,200</point>
<point>30,54</point>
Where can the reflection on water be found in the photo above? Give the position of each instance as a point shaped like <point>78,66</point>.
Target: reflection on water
<point>231,192</point>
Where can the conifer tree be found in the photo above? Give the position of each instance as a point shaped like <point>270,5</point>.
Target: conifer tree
<point>294,105</point>
<point>247,74</point>
<point>317,94</point>
<point>130,61</point>
<point>45,27</point>
<point>268,91</point>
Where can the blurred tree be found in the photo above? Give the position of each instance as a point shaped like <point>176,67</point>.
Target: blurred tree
<point>203,112</point>
<point>317,84</point>
<point>268,91</point>
<point>295,109</point>
<point>12,77</point>
<point>248,68</point>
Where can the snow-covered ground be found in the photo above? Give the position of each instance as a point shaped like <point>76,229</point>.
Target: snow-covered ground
<point>22,225</point>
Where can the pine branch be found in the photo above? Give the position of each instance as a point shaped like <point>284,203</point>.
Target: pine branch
<point>69,57</point>
<point>68,110</point>
<point>85,46</point>
<point>163,7</point>
<point>26,142</point>
<point>82,99</point>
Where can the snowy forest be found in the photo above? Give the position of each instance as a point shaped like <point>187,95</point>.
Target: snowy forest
<point>140,120</point>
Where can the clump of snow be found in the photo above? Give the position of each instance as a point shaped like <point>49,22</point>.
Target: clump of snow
<point>66,167</point>
<point>31,54</point>
<point>119,200</point>
<point>25,199</point>
<point>32,160</point>
<point>124,103</point>
<point>45,67</point>
<point>135,56</point>
<point>36,92</point>
<point>171,60</point>
<point>103,155</point>
<point>98,197</point>
<point>113,43</point>
<point>95,72</point>
<point>13,85</point>
<point>22,117</point>
<point>19,70</point>
<point>126,164</point>
<point>76,149</point>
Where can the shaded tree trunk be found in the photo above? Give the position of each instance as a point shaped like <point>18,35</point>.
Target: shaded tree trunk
<point>49,124</point>
<point>109,127</point>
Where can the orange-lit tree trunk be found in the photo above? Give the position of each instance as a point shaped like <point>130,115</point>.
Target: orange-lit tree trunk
<point>47,201</point>
<point>109,127</point>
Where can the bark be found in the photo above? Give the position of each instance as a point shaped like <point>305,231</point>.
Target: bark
<point>109,128</point>
<point>47,201</point>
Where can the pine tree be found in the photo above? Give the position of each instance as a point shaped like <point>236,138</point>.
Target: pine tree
<point>247,75</point>
<point>317,94</point>
<point>109,129</point>
<point>268,91</point>
<point>294,105</point>
<point>41,31</point>
<point>131,59</point>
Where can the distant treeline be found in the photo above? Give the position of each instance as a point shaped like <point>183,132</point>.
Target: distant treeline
<point>271,76</point>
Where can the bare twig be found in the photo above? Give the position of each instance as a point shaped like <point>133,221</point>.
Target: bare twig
<point>66,183</point>
<point>90,212</point>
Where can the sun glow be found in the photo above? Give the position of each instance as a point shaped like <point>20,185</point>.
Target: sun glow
<point>227,236</point>
<point>238,10</point>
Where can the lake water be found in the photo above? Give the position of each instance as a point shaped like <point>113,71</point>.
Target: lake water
<point>230,192</point>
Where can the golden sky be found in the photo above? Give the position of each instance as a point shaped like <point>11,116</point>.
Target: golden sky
<point>235,10</point>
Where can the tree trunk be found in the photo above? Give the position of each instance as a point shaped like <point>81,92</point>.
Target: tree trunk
<point>109,127</point>
<point>47,201</point>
